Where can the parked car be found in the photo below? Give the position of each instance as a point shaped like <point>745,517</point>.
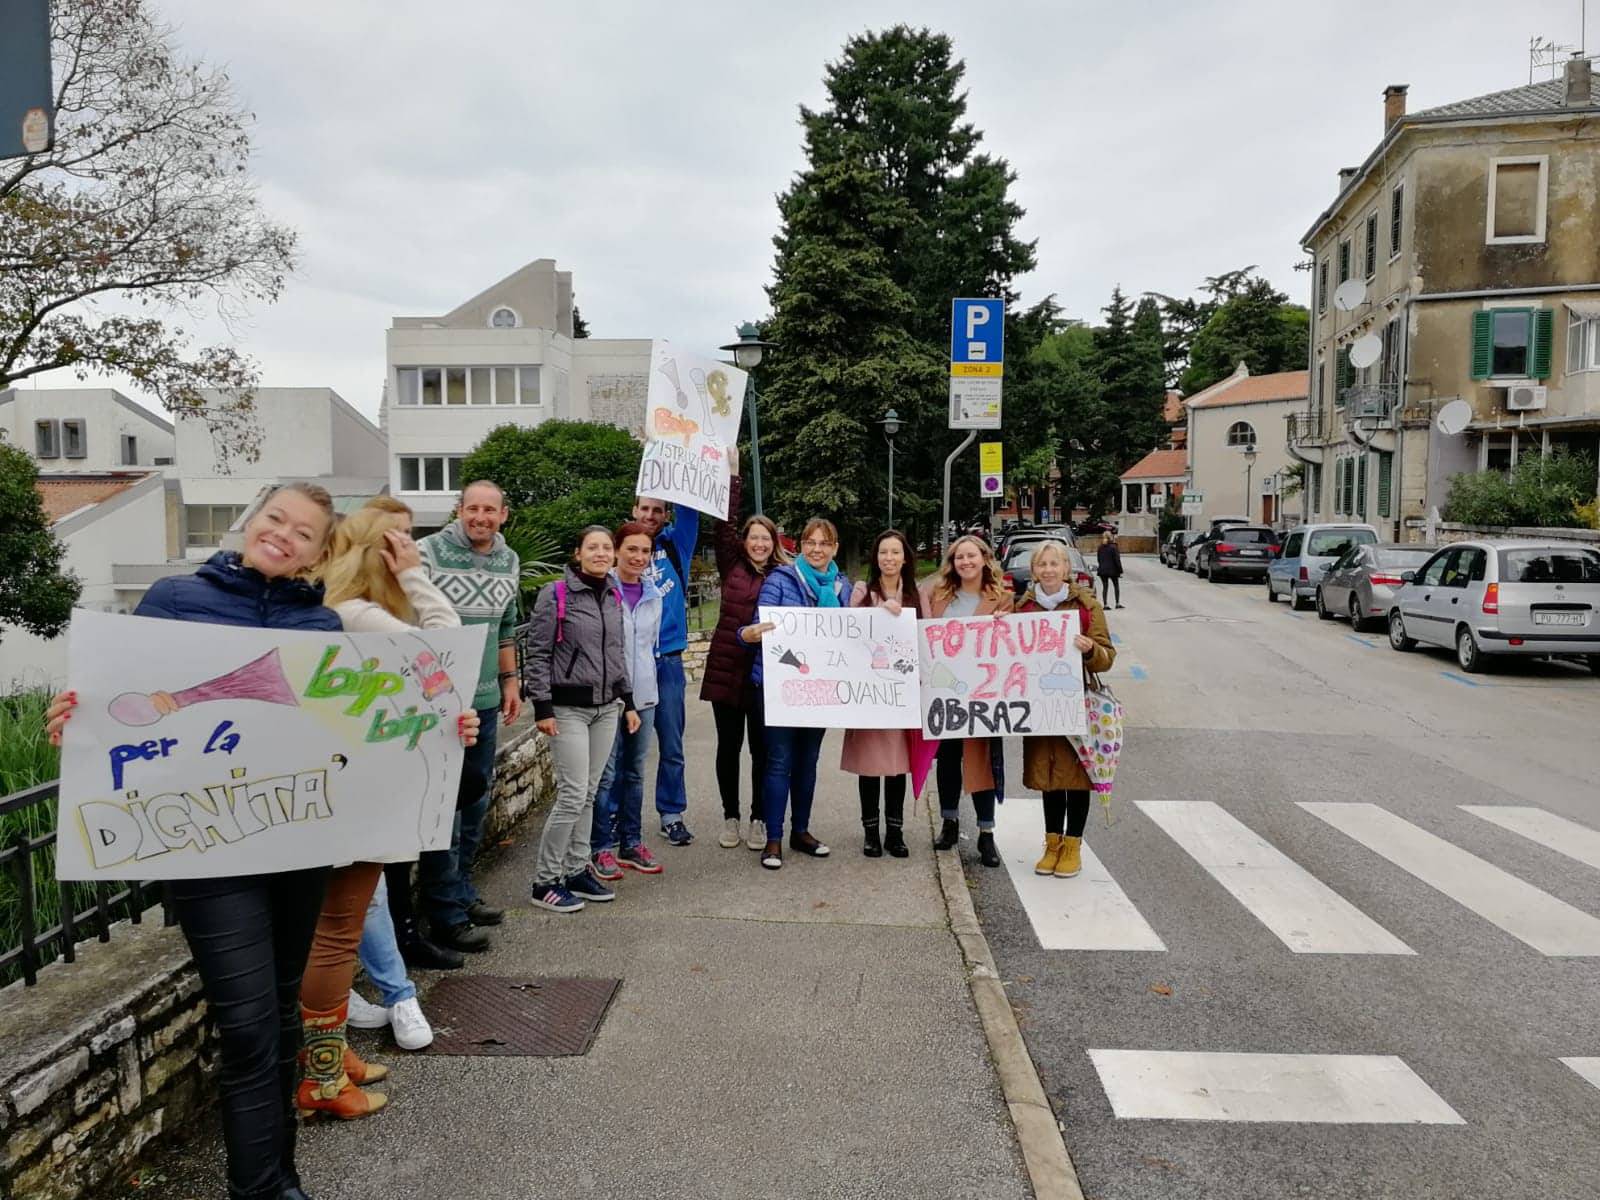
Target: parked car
<point>1177,545</point>
<point>1018,565</point>
<point>1485,599</point>
<point>1308,551</point>
<point>1361,583</point>
<point>1032,533</point>
<point>1236,551</point>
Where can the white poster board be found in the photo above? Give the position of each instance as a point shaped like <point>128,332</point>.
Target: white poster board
<point>200,750</point>
<point>692,414</point>
<point>840,668</point>
<point>1017,675</point>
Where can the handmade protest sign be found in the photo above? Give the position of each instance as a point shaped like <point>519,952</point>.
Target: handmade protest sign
<point>1017,675</point>
<point>840,668</point>
<point>691,420</point>
<point>201,750</point>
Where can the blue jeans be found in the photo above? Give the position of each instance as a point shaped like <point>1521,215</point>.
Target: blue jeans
<point>671,799</point>
<point>791,777</point>
<point>619,804</point>
<point>380,953</point>
<point>445,876</point>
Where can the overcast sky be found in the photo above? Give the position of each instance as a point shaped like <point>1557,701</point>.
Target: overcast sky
<point>424,149</point>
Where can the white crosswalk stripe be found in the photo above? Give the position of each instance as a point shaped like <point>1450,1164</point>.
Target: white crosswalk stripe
<point>1587,1068</point>
<point>1306,914</point>
<point>1552,832</point>
<point>1551,926</point>
<point>1346,1089</point>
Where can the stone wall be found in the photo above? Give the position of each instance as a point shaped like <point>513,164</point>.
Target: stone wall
<point>108,1053</point>
<point>694,657</point>
<point>1449,532</point>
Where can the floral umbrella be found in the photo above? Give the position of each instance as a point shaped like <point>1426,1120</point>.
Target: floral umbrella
<point>1101,747</point>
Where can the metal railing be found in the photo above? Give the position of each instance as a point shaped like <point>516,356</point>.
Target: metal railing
<point>1312,428</point>
<point>83,908</point>
<point>1369,404</point>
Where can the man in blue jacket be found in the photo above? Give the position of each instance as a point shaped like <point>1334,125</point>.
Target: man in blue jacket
<point>669,571</point>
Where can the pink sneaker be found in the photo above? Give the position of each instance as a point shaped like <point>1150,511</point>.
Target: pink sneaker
<point>638,858</point>
<point>606,867</point>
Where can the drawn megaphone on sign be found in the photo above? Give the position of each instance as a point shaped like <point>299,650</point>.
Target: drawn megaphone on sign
<point>669,368</point>
<point>790,659</point>
<point>944,680</point>
<point>261,679</point>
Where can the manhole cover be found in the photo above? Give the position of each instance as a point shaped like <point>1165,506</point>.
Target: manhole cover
<point>518,1018</point>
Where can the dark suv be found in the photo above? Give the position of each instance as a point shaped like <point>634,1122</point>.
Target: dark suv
<point>1243,551</point>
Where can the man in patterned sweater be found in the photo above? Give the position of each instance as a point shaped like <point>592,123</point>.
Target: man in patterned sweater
<point>480,575</point>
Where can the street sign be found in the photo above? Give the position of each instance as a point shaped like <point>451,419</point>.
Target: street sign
<point>27,113</point>
<point>1193,504</point>
<point>977,362</point>
<point>991,467</point>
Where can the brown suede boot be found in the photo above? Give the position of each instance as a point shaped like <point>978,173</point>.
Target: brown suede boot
<point>361,1071</point>
<point>326,1088</point>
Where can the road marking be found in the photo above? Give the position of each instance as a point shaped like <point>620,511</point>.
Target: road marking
<point>1306,915</point>
<point>1460,679</point>
<point>1322,1089</point>
<point>1116,639</point>
<point>1551,926</point>
<point>1552,832</point>
<point>1357,638</point>
<point>1588,1068</point>
<point>1087,912</point>
<point>1139,673</point>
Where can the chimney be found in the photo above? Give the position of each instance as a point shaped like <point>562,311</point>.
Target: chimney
<point>1578,86</point>
<point>1394,104</point>
<point>1346,174</point>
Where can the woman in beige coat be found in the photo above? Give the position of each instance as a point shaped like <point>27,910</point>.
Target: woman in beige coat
<point>1050,764</point>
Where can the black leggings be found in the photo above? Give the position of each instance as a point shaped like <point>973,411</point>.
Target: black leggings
<point>733,723</point>
<point>250,935</point>
<point>947,771</point>
<point>894,799</point>
<point>1108,583</point>
<point>1066,812</point>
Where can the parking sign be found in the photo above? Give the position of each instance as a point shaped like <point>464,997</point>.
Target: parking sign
<point>977,362</point>
<point>27,111</point>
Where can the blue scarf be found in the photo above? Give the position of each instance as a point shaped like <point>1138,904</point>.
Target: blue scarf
<point>820,585</point>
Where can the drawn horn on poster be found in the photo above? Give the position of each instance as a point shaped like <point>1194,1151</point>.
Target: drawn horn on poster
<point>669,368</point>
<point>260,679</point>
<point>790,659</point>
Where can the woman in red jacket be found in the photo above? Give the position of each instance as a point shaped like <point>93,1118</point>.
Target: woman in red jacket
<point>744,556</point>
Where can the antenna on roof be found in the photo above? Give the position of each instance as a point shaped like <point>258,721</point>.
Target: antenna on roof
<point>1545,53</point>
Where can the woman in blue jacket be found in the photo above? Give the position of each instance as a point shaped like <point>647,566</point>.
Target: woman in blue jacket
<point>811,581</point>
<point>250,934</point>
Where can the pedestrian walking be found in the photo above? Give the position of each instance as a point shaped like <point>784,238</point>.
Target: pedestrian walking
<point>790,783</point>
<point>374,580</point>
<point>617,838</point>
<point>471,564</point>
<point>1050,764</point>
<point>250,934</point>
<point>881,758</point>
<point>1109,565</point>
<point>968,584</point>
<point>675,541</point>
<point>575,672</point>
<point>745,554</point>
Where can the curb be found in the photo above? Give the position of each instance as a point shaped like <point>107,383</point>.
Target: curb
<point>1044,1152</point>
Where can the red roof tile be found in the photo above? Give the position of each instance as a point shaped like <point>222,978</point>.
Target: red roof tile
<point>1160,464</point>
<point>1253,389</point>
<point>64,496</point>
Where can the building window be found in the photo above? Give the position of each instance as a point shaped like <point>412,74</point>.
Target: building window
<point>1344,375</point>
<point>130,450</point>
<point>47,439</point>
<point>1517,191</point>
<point>1583,343</point>
<point>1385,484</point>
<point>504,318</point>
<point>1344,260</point>
<point>1390,371</point>
<point>528,383</point>
<point>1322,286</point>
<point>431,387</point>
<point>1371,264</point>
<point>430,473</point>
<point>74,440</point>
<point>204,524</point>
<point>1511,343</point>
<point>1241,434</point>
<point>1397,208</point>
<point>1361,486</point>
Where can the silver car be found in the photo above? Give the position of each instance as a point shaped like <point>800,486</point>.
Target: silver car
<point>1361,582</point>
<point>1502,597</point>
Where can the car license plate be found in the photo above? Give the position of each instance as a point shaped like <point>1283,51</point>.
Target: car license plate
<point>1251,553</point>
<point>1559,618</point>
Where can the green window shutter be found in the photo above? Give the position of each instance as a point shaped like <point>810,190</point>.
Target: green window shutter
<point>1482,344</point>
<point>1344,375</point>
<point>1543,325</point>
<point>1361,486</point>
<point>1385,483</point>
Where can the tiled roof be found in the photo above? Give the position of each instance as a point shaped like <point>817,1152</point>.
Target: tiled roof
<point>1253,389</point>
<point>1160,464</point>
<point>1533,97</point>
<point>63,496</point>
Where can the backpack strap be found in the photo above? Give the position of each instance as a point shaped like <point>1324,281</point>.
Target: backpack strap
<point>561,609</point>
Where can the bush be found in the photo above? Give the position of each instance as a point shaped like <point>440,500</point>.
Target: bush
<point>1540,492</point>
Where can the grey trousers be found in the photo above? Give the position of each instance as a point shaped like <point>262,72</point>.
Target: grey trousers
<point>580,749</point>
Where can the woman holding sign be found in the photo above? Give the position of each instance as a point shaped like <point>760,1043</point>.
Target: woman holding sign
<point>875,755</point>
<point>813,581</point>
<point>968,584</point>
<point>1050,764</point>
<point>250,934</point>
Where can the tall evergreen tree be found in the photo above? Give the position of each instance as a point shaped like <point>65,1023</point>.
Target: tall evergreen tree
<point>35,593</point>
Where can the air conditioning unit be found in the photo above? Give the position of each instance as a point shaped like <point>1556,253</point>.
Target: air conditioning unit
<point>1525,397</point>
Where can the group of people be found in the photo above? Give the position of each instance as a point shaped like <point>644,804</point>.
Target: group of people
<point>601,663</point>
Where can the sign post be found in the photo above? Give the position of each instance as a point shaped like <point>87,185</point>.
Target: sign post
<point>977,367</point>
<point>1193,504</point>
<point>27,110</point>
<point>991,470</point>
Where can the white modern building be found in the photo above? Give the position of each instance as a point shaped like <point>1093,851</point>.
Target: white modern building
<point>505,356</point>
<point>85,430</point>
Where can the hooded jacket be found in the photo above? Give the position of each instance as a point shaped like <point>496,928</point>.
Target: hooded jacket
<point>784,588</point>
<point>641,626</point>
<point>223,591</point>
<point>588,666</point>
<point>727,671</point>
<point>483,590</point>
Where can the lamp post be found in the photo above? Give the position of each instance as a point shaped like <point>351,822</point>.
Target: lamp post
<point>1249,464</point>
<point>891,426</point>
<point>748,352</point>
<point>1054,476</point>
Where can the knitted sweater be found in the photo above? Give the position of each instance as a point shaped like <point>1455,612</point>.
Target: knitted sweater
<point>483,590</point>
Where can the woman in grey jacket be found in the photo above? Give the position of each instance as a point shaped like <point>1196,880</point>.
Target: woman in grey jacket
<point>576,637</point>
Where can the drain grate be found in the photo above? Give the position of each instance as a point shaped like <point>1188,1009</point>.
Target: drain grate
<point>517,1018</point>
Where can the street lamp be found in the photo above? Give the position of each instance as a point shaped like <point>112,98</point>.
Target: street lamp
<point>1249,463</point>
<point>891,426</point>
<point>1054,476</point>
<point>748,352</point>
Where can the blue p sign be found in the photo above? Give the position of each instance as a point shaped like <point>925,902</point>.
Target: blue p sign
<point>977,331</point>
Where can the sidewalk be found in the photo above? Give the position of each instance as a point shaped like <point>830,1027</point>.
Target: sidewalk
<point>802,1033</point>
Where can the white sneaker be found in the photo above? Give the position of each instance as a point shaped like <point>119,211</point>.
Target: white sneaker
<point>411,1028</point>
<point>758,835</point>
<point>366,1015</point>
<point>730,833</point>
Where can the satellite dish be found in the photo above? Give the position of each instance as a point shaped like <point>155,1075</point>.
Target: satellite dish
<point>1453,417</point>
<point>1366,351</point>
<point>1349,294</point>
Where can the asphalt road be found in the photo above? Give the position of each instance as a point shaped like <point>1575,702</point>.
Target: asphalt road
<point>1421,969</point>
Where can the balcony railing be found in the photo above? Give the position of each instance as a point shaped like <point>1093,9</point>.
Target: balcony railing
<point>1311,428</point>
<point>1370,404</point>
